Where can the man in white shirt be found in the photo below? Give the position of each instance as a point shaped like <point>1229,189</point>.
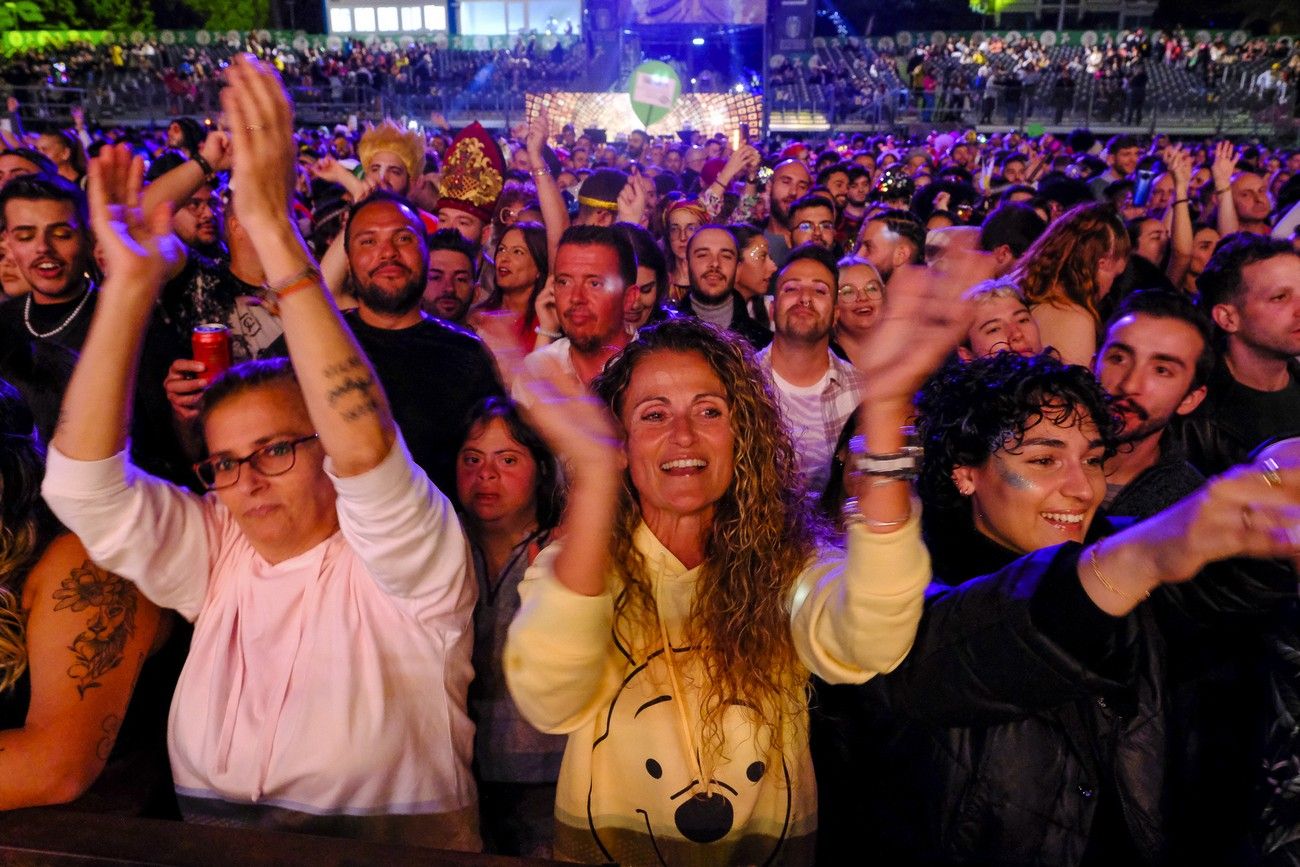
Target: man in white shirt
<point>818,392</point>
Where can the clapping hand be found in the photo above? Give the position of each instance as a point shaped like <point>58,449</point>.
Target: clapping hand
<point>572,421</point>
<point>136,249</point>
<point>925,317</point>
<point>261,132</point>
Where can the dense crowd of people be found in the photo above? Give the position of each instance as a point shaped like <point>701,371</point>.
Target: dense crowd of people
<point>118,78</point>
<point>990,79</point>
<point>654,501</point>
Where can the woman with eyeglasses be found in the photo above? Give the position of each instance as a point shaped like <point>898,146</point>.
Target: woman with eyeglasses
<point>326,577</point>
<point>858,305</point>
<point>682,220</point>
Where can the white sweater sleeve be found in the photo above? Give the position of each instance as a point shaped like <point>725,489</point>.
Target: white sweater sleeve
<point>406,532</point>
<point>157,535</point>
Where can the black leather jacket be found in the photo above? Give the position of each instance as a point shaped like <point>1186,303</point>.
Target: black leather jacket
<point>1025,726</point>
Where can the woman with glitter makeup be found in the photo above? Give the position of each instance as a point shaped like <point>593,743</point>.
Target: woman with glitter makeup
<point>1030,723</point>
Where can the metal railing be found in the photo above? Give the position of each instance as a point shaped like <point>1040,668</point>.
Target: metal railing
<point>1089,107</point>
<point>146,101</point>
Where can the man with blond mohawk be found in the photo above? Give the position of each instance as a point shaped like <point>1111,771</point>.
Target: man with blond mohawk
<point>394,159</point>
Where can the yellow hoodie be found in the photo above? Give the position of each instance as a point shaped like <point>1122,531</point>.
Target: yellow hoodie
<point>630,788</point>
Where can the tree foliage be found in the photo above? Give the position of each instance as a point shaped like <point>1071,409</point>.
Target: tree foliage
<point>233,14</point>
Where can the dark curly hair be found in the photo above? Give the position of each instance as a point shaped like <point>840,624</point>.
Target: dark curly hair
<point>968,411</point>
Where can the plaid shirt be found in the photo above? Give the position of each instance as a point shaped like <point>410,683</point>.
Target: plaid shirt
<point>840,397</point>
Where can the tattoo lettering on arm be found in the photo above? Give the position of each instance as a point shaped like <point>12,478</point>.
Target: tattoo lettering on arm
<point>111,601</point>
<point>352,389</point>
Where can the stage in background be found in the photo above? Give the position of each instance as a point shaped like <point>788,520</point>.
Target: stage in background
<point>708,113</point>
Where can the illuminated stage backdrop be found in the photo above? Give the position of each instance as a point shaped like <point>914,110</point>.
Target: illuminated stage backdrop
<point>704,112</point>
<point>699,11</point>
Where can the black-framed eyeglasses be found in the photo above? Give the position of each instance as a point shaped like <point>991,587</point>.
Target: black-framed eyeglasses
<point>272,459</point>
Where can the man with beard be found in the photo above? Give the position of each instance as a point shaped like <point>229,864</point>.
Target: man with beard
<point>817,391</point>
<point>855,205</point>
<point>594,278</point>
<point>812,221</point>
<point>1154,362</point>
<point>790,181</point>
<point>449,290</point>
<point>711,260</point>
<point>835,180</point>
<point>890,239</point>
<point>1251,289</point>
<point>197,222</point>
<point>432,372</point>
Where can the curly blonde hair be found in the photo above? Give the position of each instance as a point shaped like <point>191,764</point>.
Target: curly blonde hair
<point>1062,264</point>
<point>764,534</point>
<point>25,525</point>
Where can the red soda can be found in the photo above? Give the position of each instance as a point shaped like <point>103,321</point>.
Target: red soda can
<point>211,344</point>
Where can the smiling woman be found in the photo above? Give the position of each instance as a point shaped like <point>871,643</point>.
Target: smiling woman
<point>326,576</point>
<point>1033,706</point>
<point>671,631</point>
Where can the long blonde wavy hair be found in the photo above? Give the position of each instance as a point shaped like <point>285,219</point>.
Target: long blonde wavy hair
<point>1062,264</point>
<point>25,525</point>
<point>763,535</point>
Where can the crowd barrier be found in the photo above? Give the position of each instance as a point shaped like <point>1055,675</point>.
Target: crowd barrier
<point>62,838</point>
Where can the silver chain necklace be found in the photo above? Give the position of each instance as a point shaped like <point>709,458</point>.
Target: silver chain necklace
<point>27,316</point>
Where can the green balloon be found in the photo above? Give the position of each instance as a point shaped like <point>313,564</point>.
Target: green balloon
<point>654,87</point>
<point>1034,130</point>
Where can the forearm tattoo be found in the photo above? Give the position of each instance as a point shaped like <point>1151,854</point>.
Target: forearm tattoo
<point>352,389</point>
<point>101,646</point>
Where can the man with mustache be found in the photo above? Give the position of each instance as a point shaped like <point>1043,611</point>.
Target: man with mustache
<point>1154,361</point>
<point>817,391</point>
<point>790,181</point>
<point>711,259</point>
<point>595,278</point>
<point>432,372</point>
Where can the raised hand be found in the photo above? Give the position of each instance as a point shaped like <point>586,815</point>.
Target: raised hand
<point>924,319</point>
<point>572,421</point>
<point>1179,163</point>
<point>538,132</point>
<point>632,201</point>
<point>135,246</point>
<point>216,150</point>
<point>744,160</point>
<point>1224,165</point>
<point>261,132</point>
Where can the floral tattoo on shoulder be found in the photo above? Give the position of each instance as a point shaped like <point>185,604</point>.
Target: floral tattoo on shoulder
<point>101,646</point>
